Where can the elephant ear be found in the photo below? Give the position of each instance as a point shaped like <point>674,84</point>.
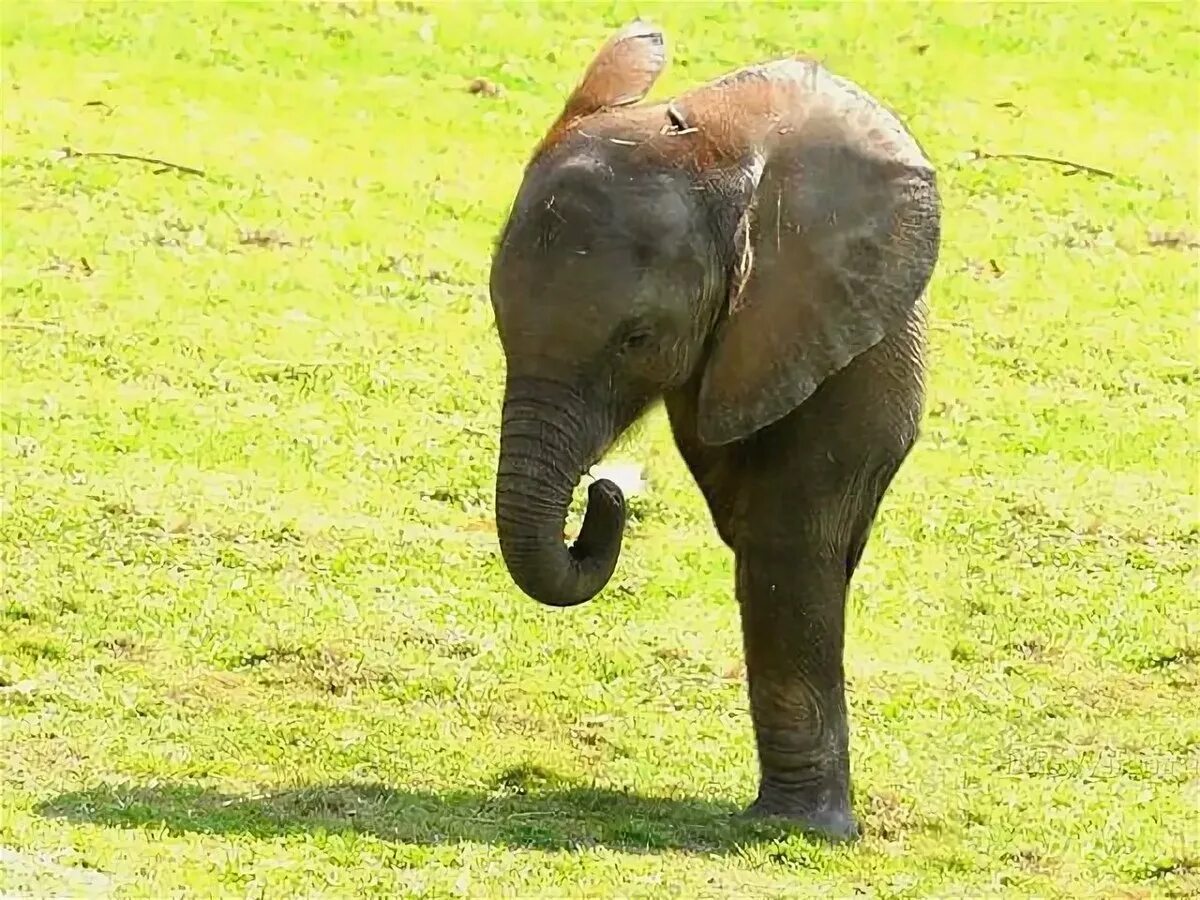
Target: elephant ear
<point>838,236</point>
<point>622,72</point>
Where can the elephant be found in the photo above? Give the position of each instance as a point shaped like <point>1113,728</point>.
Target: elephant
<point>753,254</point>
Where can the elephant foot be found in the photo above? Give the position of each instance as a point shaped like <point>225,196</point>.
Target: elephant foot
<point>830,821</point>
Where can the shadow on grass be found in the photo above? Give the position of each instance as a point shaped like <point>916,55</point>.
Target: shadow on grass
<point>521,811</point>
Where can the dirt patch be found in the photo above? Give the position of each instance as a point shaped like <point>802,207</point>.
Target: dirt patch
<point>1032,860</point>
<point>1033,649</point>
<point>1174,238</point>
<point>121,646</point>
<point>890,816</point>
<point>258,237</point>
<point>323,669</point>
<point>672,654</point>
<point>452,644</point>
<point>204,687</point>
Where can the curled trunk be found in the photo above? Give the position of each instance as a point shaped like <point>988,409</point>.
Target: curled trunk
<point>545,446</point>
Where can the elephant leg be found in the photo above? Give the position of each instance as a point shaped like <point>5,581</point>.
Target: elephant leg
<point>792,598</point>
<point>794,565</point>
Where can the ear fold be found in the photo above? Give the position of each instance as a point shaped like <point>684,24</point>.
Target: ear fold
<point>838,237</point>
<point>622,72</point>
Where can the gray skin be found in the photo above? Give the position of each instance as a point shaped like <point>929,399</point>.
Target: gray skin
<point>754,253</point>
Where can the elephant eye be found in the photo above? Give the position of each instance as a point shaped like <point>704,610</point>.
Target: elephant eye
<point>637,339</point>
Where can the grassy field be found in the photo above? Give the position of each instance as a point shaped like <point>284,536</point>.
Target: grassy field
<point>255,634</point>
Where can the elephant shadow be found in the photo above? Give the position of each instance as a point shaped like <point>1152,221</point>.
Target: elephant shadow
<point>512,814</point>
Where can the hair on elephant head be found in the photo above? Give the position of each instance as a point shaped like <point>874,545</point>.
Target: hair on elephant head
<point>754,234</point>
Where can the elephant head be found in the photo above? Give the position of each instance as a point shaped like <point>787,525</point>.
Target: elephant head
<point>749,237</point>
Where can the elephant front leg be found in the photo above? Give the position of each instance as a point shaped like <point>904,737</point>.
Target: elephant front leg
<point>792,603</point>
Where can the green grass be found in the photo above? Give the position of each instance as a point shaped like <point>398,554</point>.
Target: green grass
<point>255,634</point>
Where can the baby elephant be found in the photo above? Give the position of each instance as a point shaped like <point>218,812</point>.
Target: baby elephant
<point>755,253</point>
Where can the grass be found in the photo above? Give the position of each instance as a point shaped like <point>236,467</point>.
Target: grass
<point>255,634</point>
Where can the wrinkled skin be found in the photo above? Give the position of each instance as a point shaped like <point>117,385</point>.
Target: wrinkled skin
<point>755,254</point>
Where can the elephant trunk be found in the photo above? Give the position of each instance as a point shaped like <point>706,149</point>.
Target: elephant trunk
<point>545,446</point>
